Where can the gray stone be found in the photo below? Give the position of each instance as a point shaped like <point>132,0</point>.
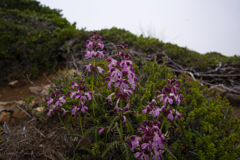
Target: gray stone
<point>45,89</point>
<point>35,89</point>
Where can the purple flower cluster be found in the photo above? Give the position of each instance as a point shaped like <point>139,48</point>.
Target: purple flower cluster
<point>101,129</point>
<point>121,74</point>
<point>168,95</point>
<point>94,50</point>
<point>151,140</point>
<point>82,94</point>
<point>90,67</point>
<point>151,108</point>
<point>55,100</point>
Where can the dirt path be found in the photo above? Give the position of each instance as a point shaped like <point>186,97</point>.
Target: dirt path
<point>8,93</point>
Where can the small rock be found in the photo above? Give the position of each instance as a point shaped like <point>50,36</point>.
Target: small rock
<point>33,104</point>
<point>35,89</point>
<point>13,83</point>
<point>71,72</point>
<point>41,146</point>
<point>45,90</point>
<point>38,109</point>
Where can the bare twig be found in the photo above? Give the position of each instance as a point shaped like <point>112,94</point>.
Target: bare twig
<point>169,59</point>
<point>26,125</point>
<point>223,86</point>
<point>47,78</point>
<point>6,128</point>
<point>39,132</point>
<point>24,111</point>
<point>28,78</point>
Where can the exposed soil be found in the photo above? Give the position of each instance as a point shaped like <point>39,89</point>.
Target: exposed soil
<point>8,93</point>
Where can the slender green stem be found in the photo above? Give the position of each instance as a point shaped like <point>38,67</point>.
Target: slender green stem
<point>80,121</point>
<point>121,130</point>
<point>92,90</point>
<point>163,123</point>
<point>106,140</point>
<point>121,119</point>
<point>62,122</point>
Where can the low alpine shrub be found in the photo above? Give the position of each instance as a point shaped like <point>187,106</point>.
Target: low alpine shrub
<point>141,112</point>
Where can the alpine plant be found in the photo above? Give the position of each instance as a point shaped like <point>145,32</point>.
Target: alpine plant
<point>152,138</point>
<point>167,96</point>
<point>57,99</point>
<point>94,50</point>
<point>122,76</point>
<point>55,103</point>
<point>150,143</point>
<point>82,94</point>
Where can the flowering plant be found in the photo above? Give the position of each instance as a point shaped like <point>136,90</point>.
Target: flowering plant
<point>152,137</point>
<point>122,76</point>
<point>55,101</point>
<point>152,141</point>
<point>94,50</point>
<point>149,141</point>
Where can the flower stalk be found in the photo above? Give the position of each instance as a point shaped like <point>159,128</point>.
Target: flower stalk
<point>163,123</point>
<point>121,134</point>
<point>92,90</point>
<point>94,50</point>
<point>80,121</point>
<point>62,123</point>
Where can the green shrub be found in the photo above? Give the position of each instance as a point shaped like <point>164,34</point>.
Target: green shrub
<point>29,99</point>
<point>31,5</point>
<point>208,130</point>
<point>31,41</point>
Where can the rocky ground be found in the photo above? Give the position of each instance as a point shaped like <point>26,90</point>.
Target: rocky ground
<point>25,95</point>
<point>12,96</point>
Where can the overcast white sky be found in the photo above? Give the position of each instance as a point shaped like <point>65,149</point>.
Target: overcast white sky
<point>200,25</point>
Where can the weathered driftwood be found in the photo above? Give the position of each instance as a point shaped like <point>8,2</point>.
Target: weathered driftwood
<point>227,77</point>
